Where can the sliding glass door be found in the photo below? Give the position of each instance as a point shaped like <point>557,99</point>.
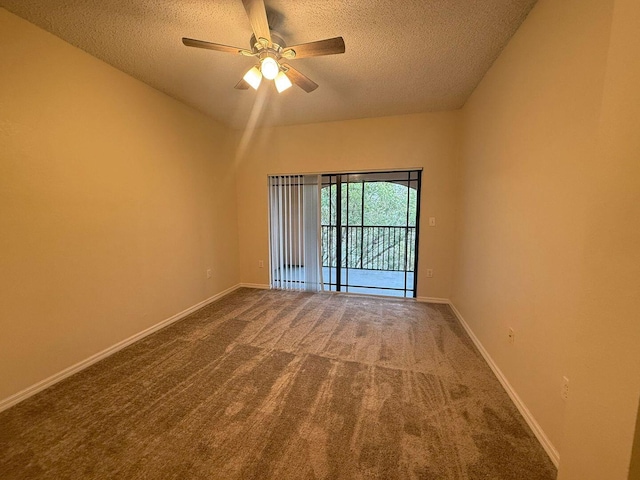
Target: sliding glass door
<point>370,226</point>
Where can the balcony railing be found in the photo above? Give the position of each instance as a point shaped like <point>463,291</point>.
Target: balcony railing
<point>370,247</point>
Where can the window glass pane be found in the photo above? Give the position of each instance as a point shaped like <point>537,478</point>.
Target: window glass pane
<point>413,203</point>
<point>328,205</point>
<point>385,204</point>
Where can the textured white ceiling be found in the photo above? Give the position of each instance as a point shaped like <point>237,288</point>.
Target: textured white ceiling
<point>402,56</point>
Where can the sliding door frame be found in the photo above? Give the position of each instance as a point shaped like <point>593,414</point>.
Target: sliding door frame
<point>339,225</point>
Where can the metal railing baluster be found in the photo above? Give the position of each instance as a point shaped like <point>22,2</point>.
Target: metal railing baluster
<point>379,247</point>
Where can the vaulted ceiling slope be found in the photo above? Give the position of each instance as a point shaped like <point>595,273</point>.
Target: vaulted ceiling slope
<point>402,56</point>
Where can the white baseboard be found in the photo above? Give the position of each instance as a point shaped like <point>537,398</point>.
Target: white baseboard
<point>433,300</point>
<point>67,372</point>
<point>524,411</point>
<point>260,286</point>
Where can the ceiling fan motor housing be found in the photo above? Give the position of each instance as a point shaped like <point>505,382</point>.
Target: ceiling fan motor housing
<point>277,42</point>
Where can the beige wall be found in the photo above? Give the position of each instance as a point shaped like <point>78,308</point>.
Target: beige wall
<point>426,140</point>
<point>605,354</point>
<point>114,200</point>
<point>547,241</point>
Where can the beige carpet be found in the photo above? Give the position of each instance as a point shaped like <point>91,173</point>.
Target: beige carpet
<point>281,385</point>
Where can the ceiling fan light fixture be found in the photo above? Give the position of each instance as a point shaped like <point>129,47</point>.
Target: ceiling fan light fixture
<point>253,77</point>
<point>269,68</point>
<point>271,52</point>
<point>282,82</point>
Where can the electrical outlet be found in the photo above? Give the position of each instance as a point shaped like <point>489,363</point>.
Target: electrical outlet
<point>564,392</point>
<point>209,273</point>
<point>512,336</point>
<point>261,263</point>
<point>429,272</point>
<point>432,221</point>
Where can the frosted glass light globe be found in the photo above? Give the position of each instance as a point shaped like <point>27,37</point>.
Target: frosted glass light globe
<point>282,82</point>
<point>253,77</point>
<point>269,68</point>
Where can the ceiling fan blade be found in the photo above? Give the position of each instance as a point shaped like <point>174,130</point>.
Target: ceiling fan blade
<point>242,85</point>
<point>257,14</point>
<point>299,79</point>
<point>330,46</point>
<point>190,42</point>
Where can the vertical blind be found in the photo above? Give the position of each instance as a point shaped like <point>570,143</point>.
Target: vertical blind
<point>294,223</point>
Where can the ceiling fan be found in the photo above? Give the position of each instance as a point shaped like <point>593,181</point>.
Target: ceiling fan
<point>272,53</point>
